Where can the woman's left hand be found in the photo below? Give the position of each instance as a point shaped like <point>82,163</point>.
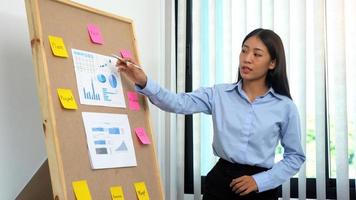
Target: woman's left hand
<point>243,185</point>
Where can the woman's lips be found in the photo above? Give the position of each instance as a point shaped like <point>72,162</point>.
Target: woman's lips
<point>245,69</point>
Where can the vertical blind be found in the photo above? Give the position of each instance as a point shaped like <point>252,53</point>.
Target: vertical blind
<point>319,41</point>
<point>319,84</point>
<point>336,76</point>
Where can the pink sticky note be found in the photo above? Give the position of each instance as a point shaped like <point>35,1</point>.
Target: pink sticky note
<point>126,54</point>
<point>142,135</point>
<point>132,96</point>
<point>95,34</point>
<point>134,105</point>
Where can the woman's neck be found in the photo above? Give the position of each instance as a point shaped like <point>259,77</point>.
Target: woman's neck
<point>254,89</point>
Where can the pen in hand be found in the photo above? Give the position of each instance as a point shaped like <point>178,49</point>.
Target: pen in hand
<point>127,62</point>
<point>137,76</point>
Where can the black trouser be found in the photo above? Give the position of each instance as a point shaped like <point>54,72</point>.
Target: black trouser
<point>217,182</point>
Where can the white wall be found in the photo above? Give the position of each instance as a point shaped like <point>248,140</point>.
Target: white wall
<point>22,148</point>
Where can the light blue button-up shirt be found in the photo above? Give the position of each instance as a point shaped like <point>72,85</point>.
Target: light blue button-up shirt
<point>244,132</point>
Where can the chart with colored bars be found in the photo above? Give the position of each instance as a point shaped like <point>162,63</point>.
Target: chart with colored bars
<point>109,140</point>
<point>98,81</point>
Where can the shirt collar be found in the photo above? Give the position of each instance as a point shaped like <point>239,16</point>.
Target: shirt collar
<point>232,86</point>
<point>238,85</point>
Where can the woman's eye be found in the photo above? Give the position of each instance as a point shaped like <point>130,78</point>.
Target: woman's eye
<point>243,50</point>
<point>258,55</point>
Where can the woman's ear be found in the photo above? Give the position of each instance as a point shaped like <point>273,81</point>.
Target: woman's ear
<point>272,64</point>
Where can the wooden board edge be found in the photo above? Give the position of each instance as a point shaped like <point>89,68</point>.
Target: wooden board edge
<point>44,91</point>
<point>96,11</point>
<point>148,117</point>
<point>157,170</point>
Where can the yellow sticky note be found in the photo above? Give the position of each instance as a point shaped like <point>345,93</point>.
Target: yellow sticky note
<point>141,191</point>
<point>57,46</point>
<point>116,193</point>
<point>67,98</point>
<point>81,190</point>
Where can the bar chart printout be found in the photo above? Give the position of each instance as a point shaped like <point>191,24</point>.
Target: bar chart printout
<point>109,140</point>
<point>98,81</point>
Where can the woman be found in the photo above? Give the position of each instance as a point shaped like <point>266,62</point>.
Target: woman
<point>249,118</point>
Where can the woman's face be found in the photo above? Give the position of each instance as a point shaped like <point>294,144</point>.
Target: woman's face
<point>255,60</point>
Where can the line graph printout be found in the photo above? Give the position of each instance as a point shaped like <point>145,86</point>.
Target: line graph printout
<point>109,140</point>
<point>98,81</point>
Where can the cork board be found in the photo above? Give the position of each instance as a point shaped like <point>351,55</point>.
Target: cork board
<point>65,136</point>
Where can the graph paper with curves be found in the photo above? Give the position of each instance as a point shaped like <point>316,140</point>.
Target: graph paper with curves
<point>98,81</point>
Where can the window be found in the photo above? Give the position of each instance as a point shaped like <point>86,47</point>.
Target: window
<point>321,76</point>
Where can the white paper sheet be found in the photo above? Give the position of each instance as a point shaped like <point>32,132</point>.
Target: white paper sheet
<point>109,140</point>
<point>98,81</point>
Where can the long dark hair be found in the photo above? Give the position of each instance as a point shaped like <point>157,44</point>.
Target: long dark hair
<point>277,77</point>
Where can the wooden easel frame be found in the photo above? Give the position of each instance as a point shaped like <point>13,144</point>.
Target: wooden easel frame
<point>57,170</point>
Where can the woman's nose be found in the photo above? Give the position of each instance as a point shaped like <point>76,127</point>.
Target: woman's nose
<point>247,58</point>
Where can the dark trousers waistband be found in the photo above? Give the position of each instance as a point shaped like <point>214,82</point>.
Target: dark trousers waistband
<point>219,178</point>
<point>237,166</point>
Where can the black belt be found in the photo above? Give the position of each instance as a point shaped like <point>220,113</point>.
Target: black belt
<point>241,167</point>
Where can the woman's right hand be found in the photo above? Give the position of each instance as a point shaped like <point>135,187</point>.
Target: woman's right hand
<point>135,74</point>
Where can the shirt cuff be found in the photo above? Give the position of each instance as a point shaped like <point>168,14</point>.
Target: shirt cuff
<point>151,88</point>
<point>263,181</point>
